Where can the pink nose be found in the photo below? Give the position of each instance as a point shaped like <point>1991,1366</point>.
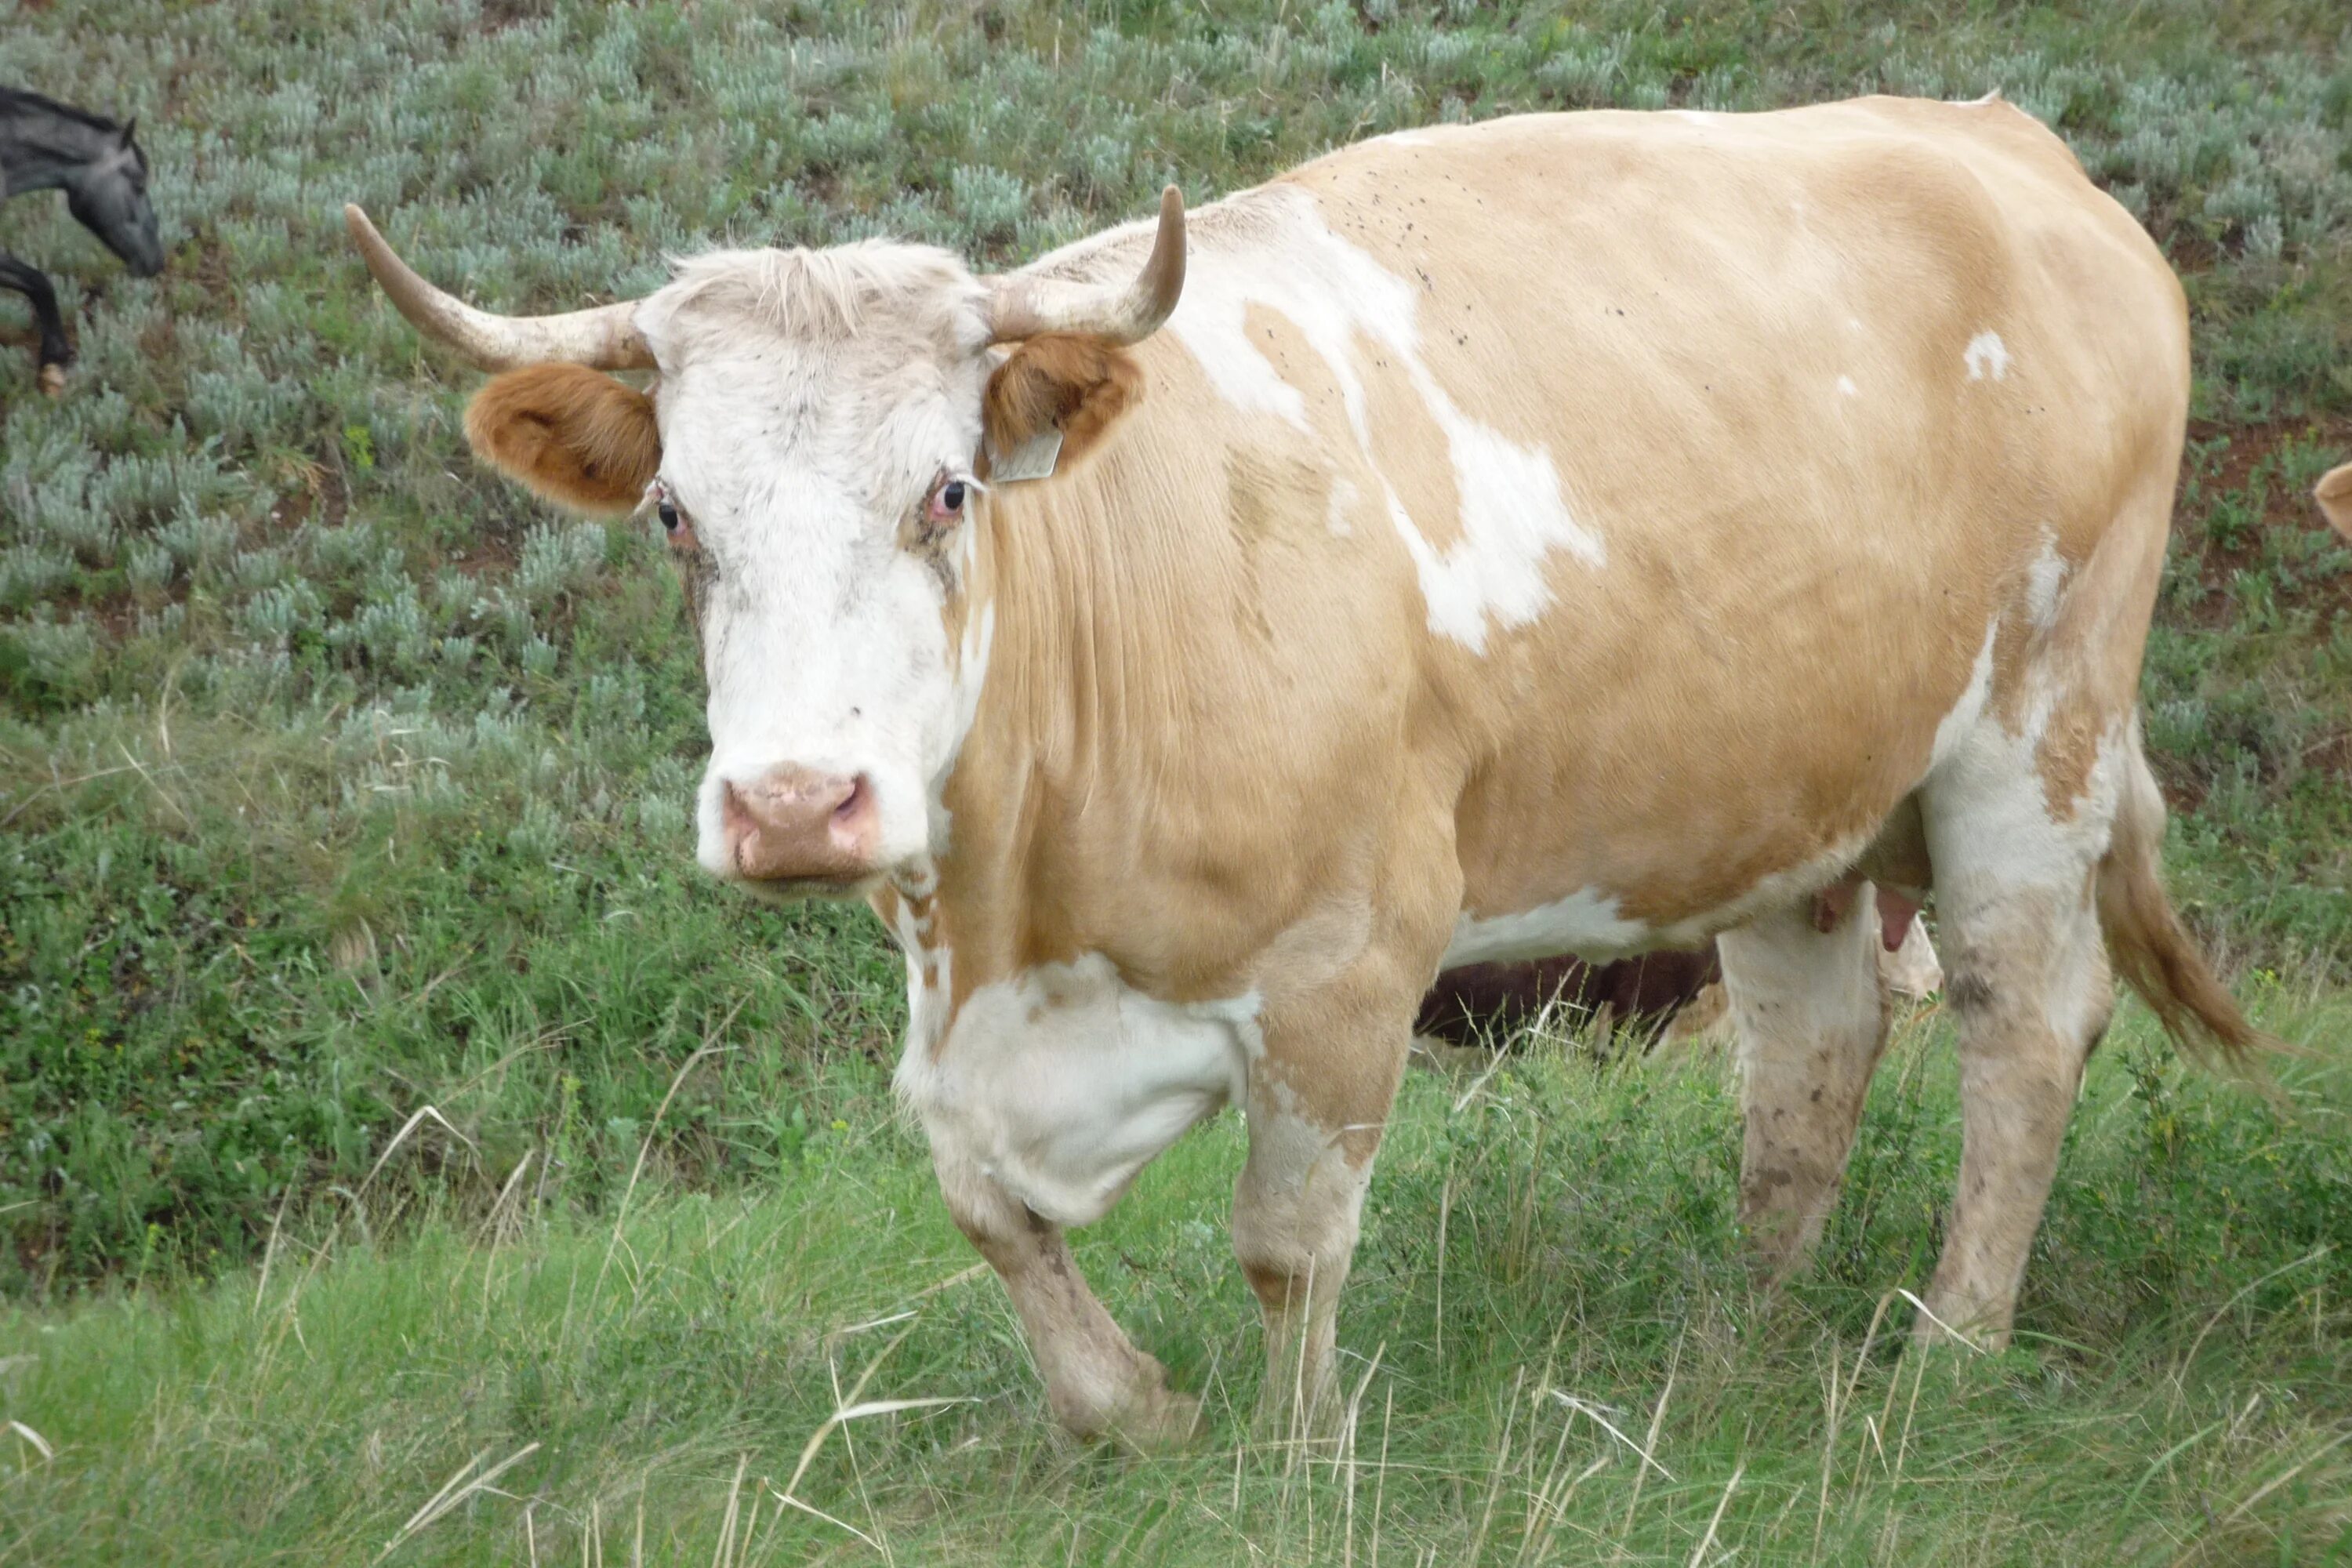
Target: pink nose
<point>797,824</point>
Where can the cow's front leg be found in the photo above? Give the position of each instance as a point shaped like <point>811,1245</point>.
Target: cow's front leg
<point>1296,1213</point>
<point>1318,1099</point>
<point>1096,1382</point>
<point>1043,1096</point>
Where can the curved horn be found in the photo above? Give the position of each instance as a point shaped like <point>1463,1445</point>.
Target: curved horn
<point>604,337</point>
<point>1023,307</point>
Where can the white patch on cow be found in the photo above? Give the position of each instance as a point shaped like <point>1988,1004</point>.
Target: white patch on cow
<point>929,981</point>
<point>1409,138</point>
<point>859,705</point>
<point>1513,510</point>
<point>1061,1082</point>
<point>1853,323</point>
<point>1587,922</point>
<point>1964,713</point>
<point>1986,355</point>
<point>798,436</point>
<point>1845,385</point>
<point>1994,840</point>
<point>1344,497</point>
<point>964,686</point>
<point>1695,116</point>
<point>2043,579</point>
<point>1592,925</point>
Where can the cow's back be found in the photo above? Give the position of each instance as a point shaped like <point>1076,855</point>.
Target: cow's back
<point>1820,389</point>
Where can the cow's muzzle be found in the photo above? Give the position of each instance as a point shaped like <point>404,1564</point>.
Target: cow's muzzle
<point>799,828</point>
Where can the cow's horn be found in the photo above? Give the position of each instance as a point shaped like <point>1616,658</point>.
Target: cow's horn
<point>1023,307</point>
<point>604,337</point>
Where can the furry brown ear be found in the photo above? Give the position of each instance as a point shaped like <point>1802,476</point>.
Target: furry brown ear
<point>1075,383</point>
<point>2335,495</point>
<point>575,436</point>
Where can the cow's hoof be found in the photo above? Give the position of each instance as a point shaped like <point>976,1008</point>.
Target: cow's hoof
<point>53,380</point>
<point>1944,1323</point>
<point>1161,1422</point>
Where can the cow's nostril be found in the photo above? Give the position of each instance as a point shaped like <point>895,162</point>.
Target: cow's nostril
<point>795,824</point>
<point>740,823</point>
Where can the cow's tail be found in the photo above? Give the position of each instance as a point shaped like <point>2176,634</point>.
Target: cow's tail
<point>2151,950</point>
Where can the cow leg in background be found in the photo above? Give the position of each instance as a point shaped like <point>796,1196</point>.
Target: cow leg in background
<point>2028,986</point>
<point>1811,1012</point>
<point>1096,1382</point>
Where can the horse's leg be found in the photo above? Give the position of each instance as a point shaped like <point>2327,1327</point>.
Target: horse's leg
<point>57,350</point>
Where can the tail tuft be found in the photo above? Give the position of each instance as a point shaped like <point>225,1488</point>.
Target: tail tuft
<point>2151,950</point>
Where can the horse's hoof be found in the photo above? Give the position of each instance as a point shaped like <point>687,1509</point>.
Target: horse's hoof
<point>53,380</point>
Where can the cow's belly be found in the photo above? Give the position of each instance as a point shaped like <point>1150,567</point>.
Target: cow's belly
<point>1563,858</point>
<point>1063,1082</point>
<point>1595,923</point>
<point>1648,803</point>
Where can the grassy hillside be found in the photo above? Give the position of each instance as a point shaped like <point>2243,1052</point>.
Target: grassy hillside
<point>338,780</point>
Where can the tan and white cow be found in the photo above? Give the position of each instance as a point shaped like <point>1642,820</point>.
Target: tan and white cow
<point>2334,493</point>
<point>1582,533</point>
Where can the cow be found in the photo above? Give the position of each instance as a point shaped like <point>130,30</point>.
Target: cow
<point>1585,533</point>
<point>2334,493</point>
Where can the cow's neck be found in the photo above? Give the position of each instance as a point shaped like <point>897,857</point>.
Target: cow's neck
<point>1100,665</point>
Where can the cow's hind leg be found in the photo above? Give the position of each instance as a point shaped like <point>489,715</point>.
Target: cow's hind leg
<point>2027,983</point>
<point>1811,1012</point>
<point>1096,1382</point>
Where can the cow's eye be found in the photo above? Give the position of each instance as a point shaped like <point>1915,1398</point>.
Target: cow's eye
<point>943,508</point>
<point>676,525</point>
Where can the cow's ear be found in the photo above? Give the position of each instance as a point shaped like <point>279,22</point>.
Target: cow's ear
<point>576,435</point>
<point>1071,383</point>
<point>2335,493</point>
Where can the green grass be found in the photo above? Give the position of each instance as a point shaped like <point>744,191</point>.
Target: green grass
<point>2180,1391</point>
<point>338,780</point>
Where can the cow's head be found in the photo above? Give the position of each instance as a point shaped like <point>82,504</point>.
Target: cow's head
<point>814,443</point>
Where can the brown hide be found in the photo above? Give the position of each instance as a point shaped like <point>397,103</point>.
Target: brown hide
<point>575,436</point>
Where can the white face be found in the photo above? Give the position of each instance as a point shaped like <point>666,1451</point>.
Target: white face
<point>821,489</point>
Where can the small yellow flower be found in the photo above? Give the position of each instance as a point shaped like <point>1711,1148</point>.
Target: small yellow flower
<point>839,1125</point>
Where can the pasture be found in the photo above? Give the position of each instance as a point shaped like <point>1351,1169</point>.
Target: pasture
<point>405,1155</point>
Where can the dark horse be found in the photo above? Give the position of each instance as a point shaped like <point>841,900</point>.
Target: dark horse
<point>48,146</point>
